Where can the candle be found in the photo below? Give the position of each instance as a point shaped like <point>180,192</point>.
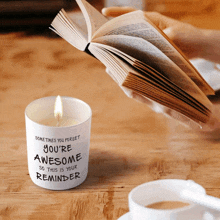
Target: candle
<point>58,153</point>
<point>64,121</point>
<point>58,119</point>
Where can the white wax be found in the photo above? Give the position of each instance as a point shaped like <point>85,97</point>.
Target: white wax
<point>63,122</point>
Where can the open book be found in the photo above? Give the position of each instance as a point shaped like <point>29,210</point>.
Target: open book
<point>140,59</point>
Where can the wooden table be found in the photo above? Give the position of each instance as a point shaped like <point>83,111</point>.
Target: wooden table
<point>130,144</point>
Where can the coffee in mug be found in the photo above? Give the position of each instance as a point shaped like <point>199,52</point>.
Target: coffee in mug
<point>167,205</point>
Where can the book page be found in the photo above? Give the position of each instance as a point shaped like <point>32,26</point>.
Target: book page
<point>151,74</point>
<point>78,19</point>
<point>94,19</point>
<point>137,25</point>
<point>126,76</point>
<point>138,85</point>
<point>151,55</point>
<point>65,28</point>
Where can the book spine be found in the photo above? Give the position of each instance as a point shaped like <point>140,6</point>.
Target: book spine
<point>88,52</point>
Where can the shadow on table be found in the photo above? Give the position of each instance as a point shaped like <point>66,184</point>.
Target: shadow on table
<point>106,167</point>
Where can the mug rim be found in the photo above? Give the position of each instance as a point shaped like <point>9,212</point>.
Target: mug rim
<point>142,207</point>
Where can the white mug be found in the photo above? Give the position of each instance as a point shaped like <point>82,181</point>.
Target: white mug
<point>167,190</point>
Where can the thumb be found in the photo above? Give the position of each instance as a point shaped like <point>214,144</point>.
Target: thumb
<point>116,11</point>
<point>160,20</point>
<point>169,32</point>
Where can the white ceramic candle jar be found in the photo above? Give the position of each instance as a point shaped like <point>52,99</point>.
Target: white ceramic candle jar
<point>58,153</point>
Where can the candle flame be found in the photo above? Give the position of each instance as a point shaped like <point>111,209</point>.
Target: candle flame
<point>58,108</point>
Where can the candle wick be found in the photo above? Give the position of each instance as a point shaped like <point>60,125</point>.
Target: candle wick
<point>58,120</point>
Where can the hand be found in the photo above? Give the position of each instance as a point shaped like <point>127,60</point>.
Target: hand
<point>138,97</point>
<point>194,42</point>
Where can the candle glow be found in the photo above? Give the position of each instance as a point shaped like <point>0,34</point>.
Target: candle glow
<point>58,109</point>
<point>58,118</point>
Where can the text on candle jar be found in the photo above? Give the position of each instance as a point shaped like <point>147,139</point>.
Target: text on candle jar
<point>58,178</point>
<point>59,140</point>
<point>57,160</point>
<point>56,149</point>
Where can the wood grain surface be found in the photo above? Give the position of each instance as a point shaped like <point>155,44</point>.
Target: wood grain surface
<point>130,144</point>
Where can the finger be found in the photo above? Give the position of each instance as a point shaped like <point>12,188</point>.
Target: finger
<point>169,32</point>
<point>116,11</point>
<point>160,20</point>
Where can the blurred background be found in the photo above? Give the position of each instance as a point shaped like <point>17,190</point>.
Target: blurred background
<point>15,13</point>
